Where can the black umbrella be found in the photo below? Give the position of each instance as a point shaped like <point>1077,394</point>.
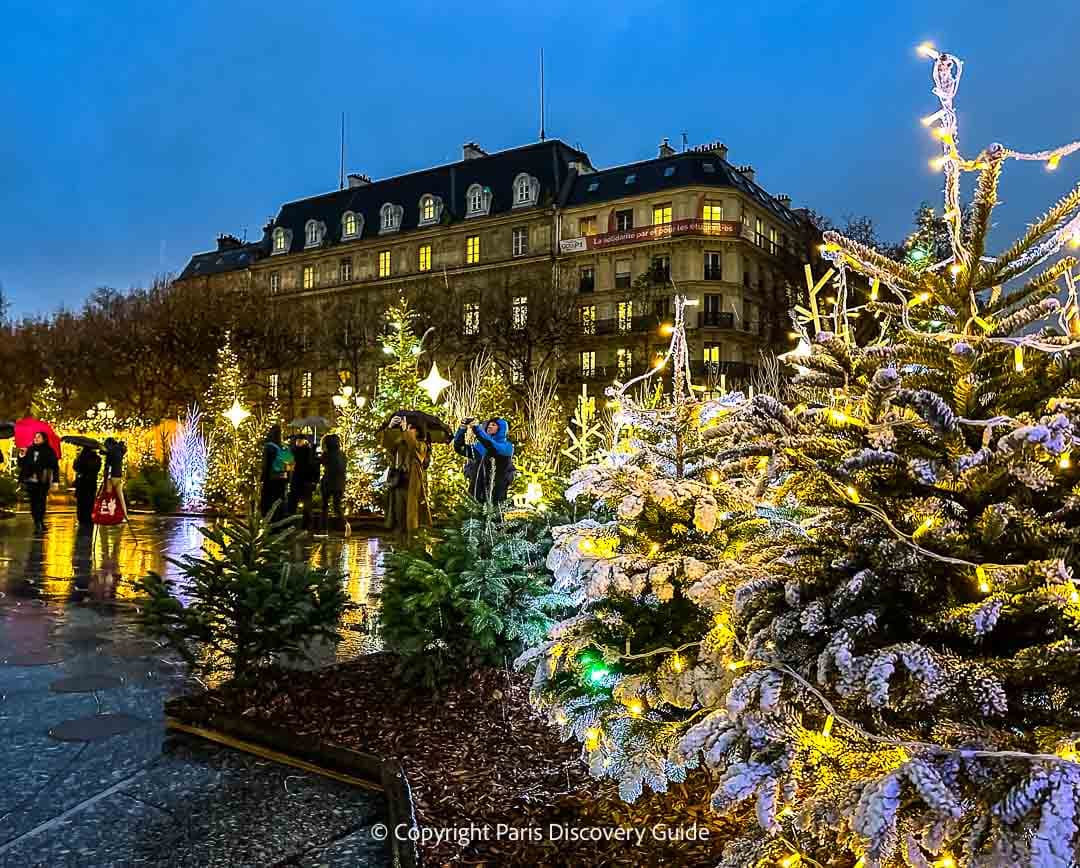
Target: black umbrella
<point>80,440</point>
<point>431,428</point>
<point>7,430</point>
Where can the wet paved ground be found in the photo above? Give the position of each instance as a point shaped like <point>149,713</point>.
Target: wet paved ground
<point>88,776</point>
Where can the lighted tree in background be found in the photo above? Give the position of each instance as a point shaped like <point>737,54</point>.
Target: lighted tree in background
<point>46,402</point>
<point>188,459</point>
<point>910,682</point>
<point>232,436</point>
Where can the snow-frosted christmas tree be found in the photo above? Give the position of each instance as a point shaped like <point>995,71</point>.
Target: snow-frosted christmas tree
<point>629,671</point>
<point>910,690</point>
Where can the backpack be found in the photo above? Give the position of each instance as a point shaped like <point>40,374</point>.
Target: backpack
<point>283,460</point>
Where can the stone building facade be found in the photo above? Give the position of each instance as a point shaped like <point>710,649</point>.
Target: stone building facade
<point>539,257</point>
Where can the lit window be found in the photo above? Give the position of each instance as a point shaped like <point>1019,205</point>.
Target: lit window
<point>631,179</point>
<point>349,225</point>
<point>713,210</point>
<point>587,317</point>
<point>519,312</point>
<point>588,363</point>
<point>471,318</point>
<point>626,316</point>
<point>625,358</point>
<point>272,383</point>
<point>773,241</point>
<point>346,270</point>
<point>425,257</point>
<point>661,214</point>
<point>275,281</point>
<point>624,220</point>
<point>309,277</point>
<point>305,384</point>
<point>712,355</point>
<point>669,171</point>
<point>281,242</point>
<point>521,241</point>
<point>586,226</point>
<point>384,263</point>
<point>517,372</point>
<point>472,249</point>
<point>427,209</point>
<point>759,236</point>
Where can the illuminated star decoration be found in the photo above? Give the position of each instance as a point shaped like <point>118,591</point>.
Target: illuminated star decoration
<point>434,383</point>
<point>236,414</point>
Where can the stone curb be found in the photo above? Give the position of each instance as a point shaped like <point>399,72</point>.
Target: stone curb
<point>317,756</point>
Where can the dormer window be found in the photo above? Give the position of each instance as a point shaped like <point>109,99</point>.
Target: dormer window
<point>430,209</point>
<point>526,190</point>
<point>352,225</point>
<point>390,218</point>
<point>282,240</point>
<point>314,230</point>
<point>477,201</point>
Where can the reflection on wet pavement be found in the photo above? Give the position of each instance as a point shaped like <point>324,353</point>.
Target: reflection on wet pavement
<point>88,775</point>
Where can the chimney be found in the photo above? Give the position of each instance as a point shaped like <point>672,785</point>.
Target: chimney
<point>472,151</point>
<point>746,171</point>
<point>665,149</point>
<point>784,200</point>
<point>718,148</point>
<point>358,180</point>
<point>228,242</point>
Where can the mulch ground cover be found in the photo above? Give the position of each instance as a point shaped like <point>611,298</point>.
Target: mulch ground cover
<point>478,755</point>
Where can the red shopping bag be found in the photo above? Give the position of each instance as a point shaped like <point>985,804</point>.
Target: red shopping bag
<point>108,508</point>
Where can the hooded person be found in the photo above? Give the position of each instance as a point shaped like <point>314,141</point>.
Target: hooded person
<point>39,470</point>
<point>489,465</point>
<point>276,464</point>
<point>332,486</point>
<point>86,466</point>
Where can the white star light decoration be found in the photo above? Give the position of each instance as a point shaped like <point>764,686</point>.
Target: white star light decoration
<point>236,414</point>
<point>434,383</point>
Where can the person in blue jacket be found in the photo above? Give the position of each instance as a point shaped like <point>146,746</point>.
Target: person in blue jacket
<point>489,465</point>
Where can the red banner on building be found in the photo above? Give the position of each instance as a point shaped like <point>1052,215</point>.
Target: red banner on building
<point>696,226</point>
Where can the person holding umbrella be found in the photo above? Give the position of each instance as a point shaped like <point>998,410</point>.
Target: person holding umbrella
<point>408,457</point>
<point>39,470</point>
<point>305,474</point>
<point>333,479</point>
<point>87,465</point>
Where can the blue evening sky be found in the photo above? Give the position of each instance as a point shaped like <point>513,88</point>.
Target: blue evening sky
<point>132,133</point>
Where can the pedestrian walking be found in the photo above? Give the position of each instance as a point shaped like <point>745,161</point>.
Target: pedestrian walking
<point>276,464</point>
<point>332,486</point>
<point>305,475</point>
<point>489,464</point>
<point>407,457</point>
<point>115,450</point>
<point>39,470</point>
<point>87,465</point>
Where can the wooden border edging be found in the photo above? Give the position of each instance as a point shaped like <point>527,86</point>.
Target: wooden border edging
<point>317,756</point>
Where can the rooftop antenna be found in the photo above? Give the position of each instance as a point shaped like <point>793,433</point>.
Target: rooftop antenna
<point>341,175</point>
<point>542,136</point>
